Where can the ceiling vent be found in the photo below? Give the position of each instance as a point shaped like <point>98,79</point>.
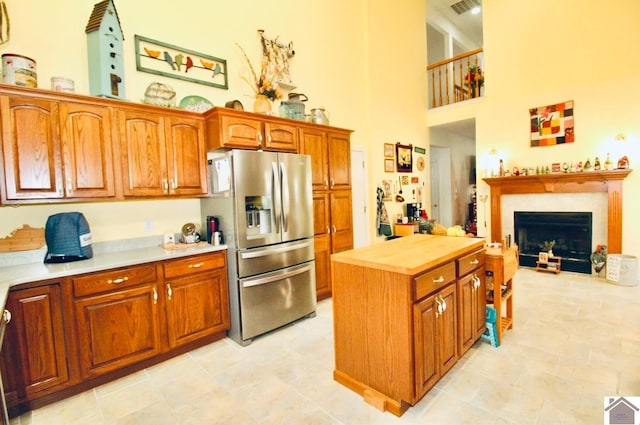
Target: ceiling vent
<point>465,5</point>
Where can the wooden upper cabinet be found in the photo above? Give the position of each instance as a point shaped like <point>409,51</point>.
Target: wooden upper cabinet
<point>143,154</point>
<point>31,147</point>
<point>162,155</point>
<point>87,153</point>
<point>280,137</point>
<point>230,129</point>
<point>330,158</point>
<point>186,156</point>
<point>55,150</point>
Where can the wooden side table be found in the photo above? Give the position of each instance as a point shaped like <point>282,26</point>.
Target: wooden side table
<point>502,266</point>
<point>552,265</point>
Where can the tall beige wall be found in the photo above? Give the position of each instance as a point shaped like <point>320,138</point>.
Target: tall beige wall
<point>361,60</point>
<point>548,51</point>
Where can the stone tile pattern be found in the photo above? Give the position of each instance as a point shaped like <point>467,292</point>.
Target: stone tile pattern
<point>576,339</point>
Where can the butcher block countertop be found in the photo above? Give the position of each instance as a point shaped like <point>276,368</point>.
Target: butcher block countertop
<point>409,255</point>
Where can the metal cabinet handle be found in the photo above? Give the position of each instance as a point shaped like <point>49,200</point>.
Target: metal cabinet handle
<point>328,230</point>
<point>333,183</point>
<point>438,307</point>
<point>326,181</point>
<point>444,304</point>
<point>334,229</point>
<point>438,280</point>
<point>155,296</point>
<point>6,316</point>
<point>69,186</point>
<point>474,262</point>
<point>118,280</point>
<point>165,185</point>
<point>196,265</point>
<point>169,291</point>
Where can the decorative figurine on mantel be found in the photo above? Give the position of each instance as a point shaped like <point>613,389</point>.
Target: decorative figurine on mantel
<point>104,47</point>
<point>623,162</point>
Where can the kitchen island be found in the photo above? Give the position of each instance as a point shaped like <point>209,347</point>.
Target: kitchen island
<point>404,311</point>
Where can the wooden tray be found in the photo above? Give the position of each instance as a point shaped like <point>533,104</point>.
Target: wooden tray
<point>25,239</point>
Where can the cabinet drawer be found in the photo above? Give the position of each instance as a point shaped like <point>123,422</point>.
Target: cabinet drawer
<point>113,280</point>
<point>470,262</point>
<point>433,280</point>
<point>179,268</point>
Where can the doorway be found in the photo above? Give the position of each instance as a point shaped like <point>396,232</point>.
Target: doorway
<point>440,176</point>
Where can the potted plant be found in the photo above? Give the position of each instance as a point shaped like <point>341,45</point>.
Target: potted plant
<point>547,246</point>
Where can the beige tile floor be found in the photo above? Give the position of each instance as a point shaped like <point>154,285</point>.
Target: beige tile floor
<point>576,340</point>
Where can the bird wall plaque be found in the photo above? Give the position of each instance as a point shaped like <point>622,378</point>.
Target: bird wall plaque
<point>164,59</point>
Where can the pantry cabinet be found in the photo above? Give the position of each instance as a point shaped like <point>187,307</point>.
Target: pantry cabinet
<point>162,155</point>
<point>34,353</point>
<point>330,154</point>
<point>231,129</point>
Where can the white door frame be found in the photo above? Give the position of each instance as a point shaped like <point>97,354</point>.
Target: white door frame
<point>359,198</point>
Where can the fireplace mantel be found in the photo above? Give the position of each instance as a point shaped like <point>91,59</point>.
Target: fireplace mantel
<point>587,181</point>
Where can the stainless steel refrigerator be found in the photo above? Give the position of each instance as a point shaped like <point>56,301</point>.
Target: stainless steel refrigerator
<point>263,203</point>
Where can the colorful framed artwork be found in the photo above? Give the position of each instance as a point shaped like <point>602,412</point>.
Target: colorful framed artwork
<point>404,158</point>
<point>171,61</point>
<point>388,165</point>
<point>388,150</point>
<point>552,125</point>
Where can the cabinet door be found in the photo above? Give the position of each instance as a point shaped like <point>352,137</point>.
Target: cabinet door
<point>425,325</point>
<point>321,213</point>
<point>241,133</point>
<point>186,156</point>
<point>341,221</point>
<point>143,154</point>
<point>31,147</point>
<point>322,247</point>
<point>447,330</point>
<point>339,161</point>
<point>117,329</point>
<point>34,352</point>
<point>280,137</point>
<point>480,303</point>
<point>467,299</point>
<point>314,143</point>
<point>197,306</point>
<point>87,154</point>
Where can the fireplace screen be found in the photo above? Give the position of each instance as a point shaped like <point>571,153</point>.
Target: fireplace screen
<point>571,232</point>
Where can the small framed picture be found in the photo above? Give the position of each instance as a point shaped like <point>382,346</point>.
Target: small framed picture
<point>414,180</point>
<point>404,158</point>
<point>543,257</point>
<point>388,150</point>
<point>388,165</point>
<point>555,167</point>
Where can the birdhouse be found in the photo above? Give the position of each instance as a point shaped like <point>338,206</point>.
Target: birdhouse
<point>105,47</point>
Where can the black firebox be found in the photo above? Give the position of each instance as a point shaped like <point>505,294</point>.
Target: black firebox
<point>571,232</point>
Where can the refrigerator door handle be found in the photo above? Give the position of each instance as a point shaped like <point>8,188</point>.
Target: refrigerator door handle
<point>277,277</point>
<point>275,190</point>
<point>285,198</point>
<point>256,253</point>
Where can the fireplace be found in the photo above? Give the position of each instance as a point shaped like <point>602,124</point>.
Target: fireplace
<point>571,232</point>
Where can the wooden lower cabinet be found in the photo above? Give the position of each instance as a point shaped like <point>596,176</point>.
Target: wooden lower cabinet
<point>322,248</point>
<point>197,298</point>
<point>34,354</point>
<point>117,329</point>
<point>472,300</point>
<point>435,337</point>
<point>68,336</point>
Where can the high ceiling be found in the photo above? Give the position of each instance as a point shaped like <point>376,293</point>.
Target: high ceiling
<point>466,28</point>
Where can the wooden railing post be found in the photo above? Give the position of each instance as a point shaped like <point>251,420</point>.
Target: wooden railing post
<point>457,80</point>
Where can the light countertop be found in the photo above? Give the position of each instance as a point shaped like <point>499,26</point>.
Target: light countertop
<point>33,272</point>
<point>409,255</point>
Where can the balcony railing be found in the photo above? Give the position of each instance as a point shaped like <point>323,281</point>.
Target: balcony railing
<point>456,79</point>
